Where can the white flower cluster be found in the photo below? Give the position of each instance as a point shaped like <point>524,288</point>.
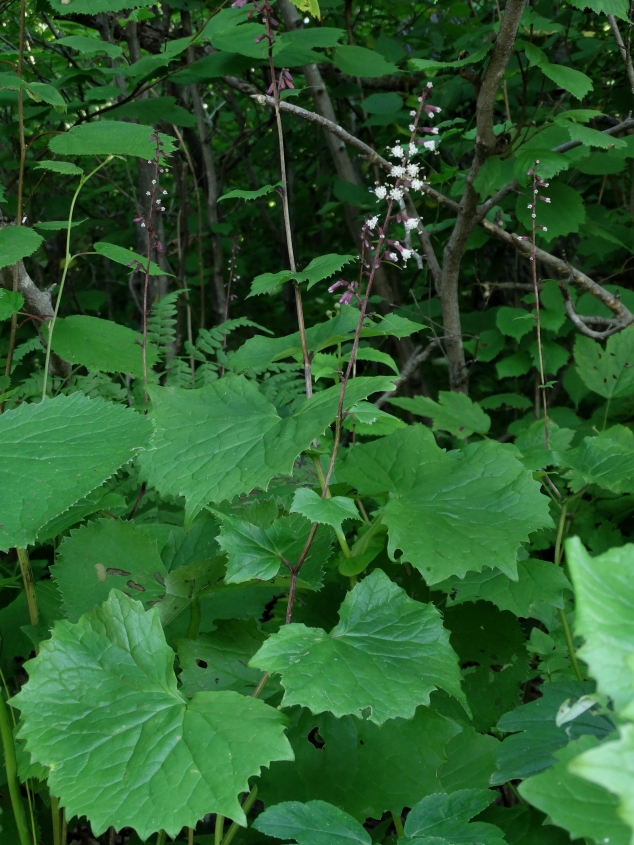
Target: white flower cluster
<point>407,170</point>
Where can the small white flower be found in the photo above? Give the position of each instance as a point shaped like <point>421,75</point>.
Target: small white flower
<point>154,181</point>
<point>396,194</point>
<point>412,113</point>
<point>412,170</point>
<point>381,192</point>
<point>397,151</point>
<point>147,193</point>
<point>372,221</point>
<point>412,127</point>
<point>143,224</point>
<point>433,130</point>
<point>546,199</point>
<point>417,185</point>
<point>430,145</point>
<point>406,254</point>
<point>412,150</point>
<point>397,170</point>
<point>164,193</point>
<point>411,223</point>
<point>529,205</point>
<point>392,256</point>
<point>533,216</point>
<point>545,228</point>
<point>430,84</point>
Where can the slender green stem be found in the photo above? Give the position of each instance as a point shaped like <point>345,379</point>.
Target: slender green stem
<point>515,792</point>
<point>570,644</point>
<point>398,826</point>
<point>190,836</point>
<point>263,682</point>
<point>67,262</point>
<point>560,533</point>
<point>64,826</point>
<point>219,830</point>
<point>249,801</point>
<point>11,768</point>
<point>29,585</point>
<point>57,821</point>
<point>161,837</point>
<point>345,548</point>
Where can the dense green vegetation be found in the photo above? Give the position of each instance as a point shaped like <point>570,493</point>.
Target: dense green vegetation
<point>316,422</point>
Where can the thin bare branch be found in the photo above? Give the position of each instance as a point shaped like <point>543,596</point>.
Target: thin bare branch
<point>625,54</point>
<point>567,274</point>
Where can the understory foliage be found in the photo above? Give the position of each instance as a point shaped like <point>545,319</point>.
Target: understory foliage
<point>316,422</point>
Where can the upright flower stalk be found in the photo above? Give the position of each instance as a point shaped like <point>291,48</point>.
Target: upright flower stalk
<point>285,81</point>
<point>155,195</point>
<point>407,175</point>
<point>536,184</point>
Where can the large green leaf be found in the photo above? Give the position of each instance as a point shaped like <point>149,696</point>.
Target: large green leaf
<point>492,644</point>
<point>225,439</point>
<point>314,823</point>
<point>449,513</point>
<point>10,303</point>
<point>255,552</point>
<point>427,64</point>
<point>218,660</point>
<point>524,825</point>
<point>562,216</point>
<point>470,761</point>
<point>538,582</point>
<point>16,243</point>
<point>386,655</point>
<point>609,767</point>
<point>154,109</point>
<point>93,7</point>
<point>89,46</point>
<point>261,351</point>
<point>102,700</point>
<point>109,137</point>
<point>606,460</point>
<point>129,259</point>
<point>359,61</point>
<point>535,735</point>
<point>101,345</point>
<point>604,591</point>
<point>366,769</point>
<point>333,511</point>
<point>454,412</point>
<point>320,268</point>
<point>446,817</point>
<point>60,450</point>
<point>104,555</point>
<point>574,81</point>
<point>582,808</point>
<point>618,8</point>
<point>609,372</point>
